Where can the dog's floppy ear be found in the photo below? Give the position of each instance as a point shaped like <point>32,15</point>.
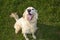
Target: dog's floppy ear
<point>24,14</point>
<point>36,15</point>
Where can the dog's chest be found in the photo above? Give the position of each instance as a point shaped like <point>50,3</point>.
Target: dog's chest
<point>26,26</point>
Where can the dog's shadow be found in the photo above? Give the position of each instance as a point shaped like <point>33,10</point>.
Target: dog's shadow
<point>39,34</point>
<point>46,32</point>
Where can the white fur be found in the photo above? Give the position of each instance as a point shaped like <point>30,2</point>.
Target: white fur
<point>27,27</point>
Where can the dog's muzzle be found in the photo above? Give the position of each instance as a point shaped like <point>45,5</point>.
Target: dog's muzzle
<point>29,10</point>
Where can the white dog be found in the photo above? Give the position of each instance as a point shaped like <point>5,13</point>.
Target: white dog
<point>27,23</point>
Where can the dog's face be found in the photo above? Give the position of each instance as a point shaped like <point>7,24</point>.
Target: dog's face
<point>30,13</point>
<point>31,10</point>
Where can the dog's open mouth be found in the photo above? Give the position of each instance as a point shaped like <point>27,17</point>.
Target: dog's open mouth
<point>30,16</point>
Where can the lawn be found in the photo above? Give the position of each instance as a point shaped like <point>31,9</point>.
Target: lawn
<point>48,21</point>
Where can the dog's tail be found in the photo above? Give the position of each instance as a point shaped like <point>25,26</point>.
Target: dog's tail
<point>15,16</point>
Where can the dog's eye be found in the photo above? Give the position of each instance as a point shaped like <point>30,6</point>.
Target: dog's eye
<point>32,9</point>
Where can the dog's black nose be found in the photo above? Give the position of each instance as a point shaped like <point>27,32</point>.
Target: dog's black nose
<point>29,10</point>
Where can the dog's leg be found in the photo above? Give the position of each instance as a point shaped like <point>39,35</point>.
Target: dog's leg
<point>16,31</point>
<point>25,36</point>
<point>17,28</point>
<point>33,35</point>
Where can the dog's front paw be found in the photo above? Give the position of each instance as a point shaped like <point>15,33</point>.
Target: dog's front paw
<point>34,37</point>
<point>27,39</point>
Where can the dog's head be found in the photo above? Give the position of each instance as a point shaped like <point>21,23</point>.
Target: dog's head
<point>29,13</point>
<point>31,10</point>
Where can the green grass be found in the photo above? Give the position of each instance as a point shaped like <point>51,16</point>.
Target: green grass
<point>48,21</point>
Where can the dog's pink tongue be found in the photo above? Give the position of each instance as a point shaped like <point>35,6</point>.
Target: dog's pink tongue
<point>29,17</point>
